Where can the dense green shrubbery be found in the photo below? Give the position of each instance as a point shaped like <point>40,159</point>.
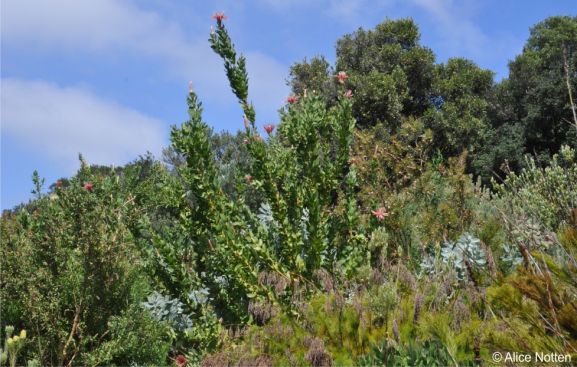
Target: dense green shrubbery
<point>319,244</point>
<point>73,265</point>
<point>461,303</point>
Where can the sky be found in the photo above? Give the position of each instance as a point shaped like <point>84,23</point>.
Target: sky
<point>108,78</point>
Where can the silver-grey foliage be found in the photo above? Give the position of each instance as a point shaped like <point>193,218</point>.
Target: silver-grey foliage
<point>455,254</point>
<point>165,309</point>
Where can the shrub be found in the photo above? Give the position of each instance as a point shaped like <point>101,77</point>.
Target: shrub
<point>71,265</point>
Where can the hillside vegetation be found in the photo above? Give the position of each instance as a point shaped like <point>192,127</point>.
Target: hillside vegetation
<point>402,212</point>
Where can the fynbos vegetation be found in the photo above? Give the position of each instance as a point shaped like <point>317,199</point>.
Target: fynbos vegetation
<point>401,212</point>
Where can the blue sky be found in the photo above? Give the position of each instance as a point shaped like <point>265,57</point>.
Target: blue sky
<point>107,78</point>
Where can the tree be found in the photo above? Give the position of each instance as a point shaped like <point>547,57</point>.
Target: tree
<point>312,76</point>
<point>541,81</point>
<point>389,73</point>
<point>504,146</point>
<point>391,48</point>
<point>458,117</point>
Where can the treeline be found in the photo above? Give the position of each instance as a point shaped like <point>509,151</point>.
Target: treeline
<point>363,229</point>
<point>395,79</point>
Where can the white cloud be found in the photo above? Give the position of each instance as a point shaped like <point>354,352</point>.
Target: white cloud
<point>91,24</point>
<point>347,10</point>
<point>454,21</point>
<point>96,26</point>
<point>462,36</point>
<point>344,11</point>
<point>62,122</point>
<point>460,31</point>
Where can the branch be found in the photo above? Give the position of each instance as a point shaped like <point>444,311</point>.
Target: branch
<point>75,324</point>
<point>566,69</point>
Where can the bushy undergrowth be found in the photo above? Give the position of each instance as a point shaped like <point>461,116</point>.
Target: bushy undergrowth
<point>451,302</point>
<point>319,244</point>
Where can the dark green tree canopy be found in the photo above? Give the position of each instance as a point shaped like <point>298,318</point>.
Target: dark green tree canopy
<point>313,75</point>
<point>458,117</point>
<point>389,73</point>
<point>390,64</point>
<point>393,77</point>
<point>538,84</point>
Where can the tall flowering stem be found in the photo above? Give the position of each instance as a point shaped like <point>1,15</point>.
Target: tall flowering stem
<point>235,66</point>
<point>237,75</point>
<point>303,172</point>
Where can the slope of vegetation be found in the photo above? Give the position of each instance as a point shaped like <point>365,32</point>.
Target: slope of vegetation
<point>402,212</point>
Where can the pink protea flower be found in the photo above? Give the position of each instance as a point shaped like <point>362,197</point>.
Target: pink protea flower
<point>257,138</point>
<point>292,99</point>
<point>180,360</point>
<point>380,213</point>
<point>248,179</point>
<point>88,186</point>
<point>59,183</point>
<point>341,77</point>
<point>349,94</point>
<point>219,16</point>
<point>269,128</point>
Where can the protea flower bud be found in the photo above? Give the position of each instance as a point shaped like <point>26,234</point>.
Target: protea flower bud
<point>269,128</point>
<point>292,99</point>
<point>219,16</point>
<point>180,361</point>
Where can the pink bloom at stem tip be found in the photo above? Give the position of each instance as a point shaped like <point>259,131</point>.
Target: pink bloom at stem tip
<point>292,99</point>
<point>380,213</point>
<point>219,16</point>
<point>248,179</point>
<point>341,77</point>
<point>180,360</point>
<point>269,128</point>
<point>349,94</point>
<point>88,186</point>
